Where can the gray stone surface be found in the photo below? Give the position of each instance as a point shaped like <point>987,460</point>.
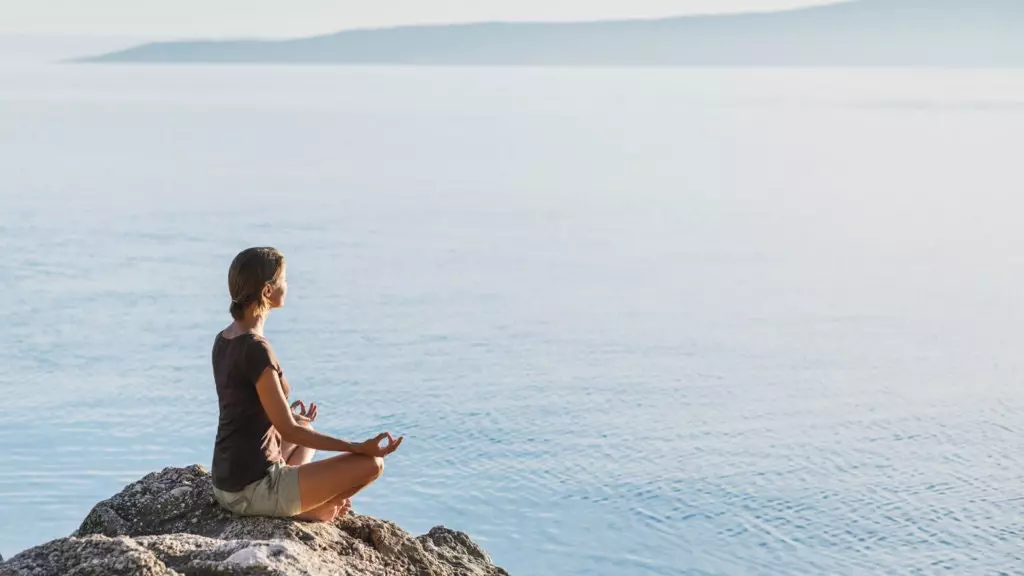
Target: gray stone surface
<point>167,523</point>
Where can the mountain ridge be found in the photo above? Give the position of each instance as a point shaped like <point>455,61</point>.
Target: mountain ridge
<point>968,33</point>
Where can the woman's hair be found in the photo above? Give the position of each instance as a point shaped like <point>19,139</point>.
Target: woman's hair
<point>251,271</point>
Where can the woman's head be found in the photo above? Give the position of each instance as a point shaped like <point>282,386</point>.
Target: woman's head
<point>257,280</point>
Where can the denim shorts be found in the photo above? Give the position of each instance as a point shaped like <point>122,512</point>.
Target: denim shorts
<point>276,494</point>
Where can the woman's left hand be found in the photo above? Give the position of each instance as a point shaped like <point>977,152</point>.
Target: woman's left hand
<point>309,415</point>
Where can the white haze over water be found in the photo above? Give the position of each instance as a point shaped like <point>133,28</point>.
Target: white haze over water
<point>631,321</point>
<point>270,18</point>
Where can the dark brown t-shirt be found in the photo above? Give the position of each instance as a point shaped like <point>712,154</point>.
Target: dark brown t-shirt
<point>247,444</point>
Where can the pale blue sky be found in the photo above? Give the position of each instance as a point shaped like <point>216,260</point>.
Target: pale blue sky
<point>189,18</point>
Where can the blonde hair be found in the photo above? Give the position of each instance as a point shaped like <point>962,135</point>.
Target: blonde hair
<point>251,271</point>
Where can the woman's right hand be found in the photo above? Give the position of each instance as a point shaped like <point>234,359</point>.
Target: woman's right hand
<point>372,446</point>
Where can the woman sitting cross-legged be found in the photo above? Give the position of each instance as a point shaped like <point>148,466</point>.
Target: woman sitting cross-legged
<point>262,459</point>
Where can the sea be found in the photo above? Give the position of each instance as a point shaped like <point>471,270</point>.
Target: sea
<point>630,321</point>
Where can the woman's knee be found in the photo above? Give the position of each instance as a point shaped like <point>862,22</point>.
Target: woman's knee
<point>374,466</point>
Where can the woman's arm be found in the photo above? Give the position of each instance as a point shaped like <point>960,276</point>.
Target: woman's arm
<point>275,404</point>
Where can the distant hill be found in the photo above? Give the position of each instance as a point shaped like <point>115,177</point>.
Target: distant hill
<point>940,33</point>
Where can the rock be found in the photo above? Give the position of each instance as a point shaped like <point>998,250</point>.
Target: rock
<point>167,523</point>
<point>159,503</point>
<point>91,556</point>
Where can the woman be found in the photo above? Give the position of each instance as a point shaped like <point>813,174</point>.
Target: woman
<point>262,457</point>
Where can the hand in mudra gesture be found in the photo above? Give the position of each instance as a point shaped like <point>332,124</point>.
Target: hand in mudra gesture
<point>372,446</point>
<point>302,415</point>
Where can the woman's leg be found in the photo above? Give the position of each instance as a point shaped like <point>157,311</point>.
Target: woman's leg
<point>331,510</point>
<point>336,479</point>
<point>295,455</point>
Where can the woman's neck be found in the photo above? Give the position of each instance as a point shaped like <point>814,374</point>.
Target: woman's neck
<point>250,324</point>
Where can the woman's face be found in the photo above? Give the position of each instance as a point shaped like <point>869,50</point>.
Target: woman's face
<point>277,293</point>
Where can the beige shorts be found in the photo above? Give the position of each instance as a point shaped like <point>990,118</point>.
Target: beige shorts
<point>276,494</point>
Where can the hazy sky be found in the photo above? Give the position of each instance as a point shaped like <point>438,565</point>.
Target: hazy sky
<point>188,18</point>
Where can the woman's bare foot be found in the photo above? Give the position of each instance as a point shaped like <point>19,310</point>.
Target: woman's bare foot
<point>343,509</point>
<point>328,512</point>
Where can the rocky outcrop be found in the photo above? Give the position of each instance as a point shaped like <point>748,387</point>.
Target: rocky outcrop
<point>167,523</point>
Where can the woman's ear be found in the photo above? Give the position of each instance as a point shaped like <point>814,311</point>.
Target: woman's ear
<point>268,291</point>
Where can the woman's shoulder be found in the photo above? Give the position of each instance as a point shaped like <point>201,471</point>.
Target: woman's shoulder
<point>234,333</point>
<point>246,348</point>
<point>228,342</point>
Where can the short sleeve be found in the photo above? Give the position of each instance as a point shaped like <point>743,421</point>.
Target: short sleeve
<point>258,357</point>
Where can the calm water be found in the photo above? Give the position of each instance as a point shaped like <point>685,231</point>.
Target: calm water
<point>630,322</point>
